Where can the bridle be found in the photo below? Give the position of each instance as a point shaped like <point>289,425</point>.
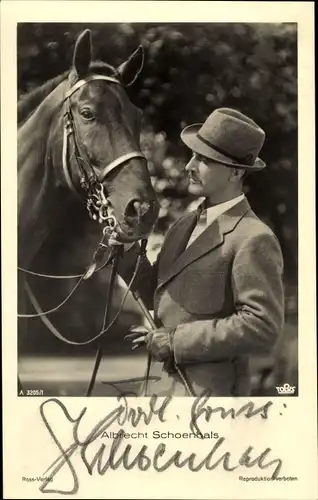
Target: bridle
<point>97,204</point>
<point>91,182</point>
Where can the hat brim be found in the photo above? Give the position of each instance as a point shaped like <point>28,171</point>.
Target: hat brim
<point>190,139</point>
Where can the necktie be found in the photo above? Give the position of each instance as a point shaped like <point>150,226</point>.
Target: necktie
<point>199,227</point>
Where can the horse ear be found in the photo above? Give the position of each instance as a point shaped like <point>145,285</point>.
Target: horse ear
<point>83,53</point>
<point>130,69</point>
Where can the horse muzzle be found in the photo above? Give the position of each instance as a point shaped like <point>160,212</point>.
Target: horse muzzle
<point>137,220</point>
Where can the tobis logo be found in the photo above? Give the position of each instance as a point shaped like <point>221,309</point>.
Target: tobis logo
<point>286,389</point>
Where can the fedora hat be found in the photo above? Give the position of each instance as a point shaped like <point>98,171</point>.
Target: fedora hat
<point>228,137</point>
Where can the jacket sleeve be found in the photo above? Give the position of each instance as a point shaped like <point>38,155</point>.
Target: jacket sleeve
<point>259,309</point>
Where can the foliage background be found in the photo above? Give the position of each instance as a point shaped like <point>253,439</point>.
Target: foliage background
<point>191,69</point>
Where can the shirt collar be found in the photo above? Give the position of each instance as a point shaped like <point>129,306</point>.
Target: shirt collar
<point>212,213</point>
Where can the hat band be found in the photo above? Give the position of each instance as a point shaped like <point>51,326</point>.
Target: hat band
<point>248,160</point>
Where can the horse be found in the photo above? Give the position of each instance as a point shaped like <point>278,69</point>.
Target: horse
<point>81,175</point>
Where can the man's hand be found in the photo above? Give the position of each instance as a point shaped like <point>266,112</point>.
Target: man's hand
<point>158,342</point>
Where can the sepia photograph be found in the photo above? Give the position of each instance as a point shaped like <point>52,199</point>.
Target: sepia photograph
<point>158,250</point>
<point>157,209</point>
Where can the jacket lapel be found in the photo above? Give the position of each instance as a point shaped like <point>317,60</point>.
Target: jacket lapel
<point>180,235</point>
<point>210,239</point>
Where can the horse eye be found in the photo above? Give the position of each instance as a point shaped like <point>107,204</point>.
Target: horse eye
<point>87,114</point>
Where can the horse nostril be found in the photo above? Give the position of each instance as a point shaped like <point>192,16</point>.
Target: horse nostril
<point>136,210</point>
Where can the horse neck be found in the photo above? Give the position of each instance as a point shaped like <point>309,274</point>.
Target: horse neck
<point>40,200</point>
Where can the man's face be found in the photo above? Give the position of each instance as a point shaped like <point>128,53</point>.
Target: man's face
<point>207,177</point>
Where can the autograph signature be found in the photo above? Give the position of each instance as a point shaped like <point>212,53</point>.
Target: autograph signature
<point>201,409</point>
<point>119,455</point>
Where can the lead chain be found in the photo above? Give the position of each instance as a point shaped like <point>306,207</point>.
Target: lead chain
<point>97,204</point>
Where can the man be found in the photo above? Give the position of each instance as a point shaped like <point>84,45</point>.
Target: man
<point>217,282</point>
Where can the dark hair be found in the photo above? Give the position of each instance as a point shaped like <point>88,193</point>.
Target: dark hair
<point>246,173</point>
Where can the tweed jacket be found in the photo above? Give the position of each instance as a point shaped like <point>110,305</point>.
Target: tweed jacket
<point>224,297</point>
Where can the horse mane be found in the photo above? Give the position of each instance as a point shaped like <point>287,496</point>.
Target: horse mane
<point>29,102</point>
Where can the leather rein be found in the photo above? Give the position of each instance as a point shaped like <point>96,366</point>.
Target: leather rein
<point>97,205</point>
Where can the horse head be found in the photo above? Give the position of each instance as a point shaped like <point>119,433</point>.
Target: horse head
<point>78,143</point>
<point>106,126</point>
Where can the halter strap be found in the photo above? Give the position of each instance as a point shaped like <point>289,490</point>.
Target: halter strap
<point>119,161</point>
<point>65,164</point>
<point>82,82</point>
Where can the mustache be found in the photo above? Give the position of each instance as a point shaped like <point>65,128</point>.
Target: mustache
<point>192,176</point>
